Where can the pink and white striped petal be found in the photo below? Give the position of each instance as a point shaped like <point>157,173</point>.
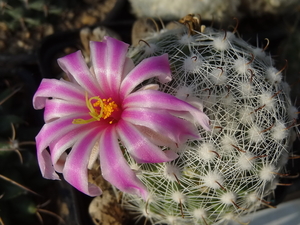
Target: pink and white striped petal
<point>162,122</point>
<point>59,145</point>
<point>115,168</point>
<point>57,108</point>
<point>98,54</point>
<point>75,65</point>
<point>60,89</point>
<point>159,100</point>
<point>75,170</point>
<point>158,139</point>
<point>139,147</point>
<point>48,133</point>
<point>145,70</point>
<point>115,56</point>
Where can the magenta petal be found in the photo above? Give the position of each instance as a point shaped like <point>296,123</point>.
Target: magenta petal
<point>161,122</point>
<point>48,133</point>
<point>115,62</point>
<point>157,66</point>
<point>56,108</point>
<point>115,168</point>
<point>98,54</point>
<point>75,65</point>
<point>108,59</point>
<point>75,169</point>
<point>61,89</point>
<point>62,143</point>
<point>159,100</point>
<point>139,147</point>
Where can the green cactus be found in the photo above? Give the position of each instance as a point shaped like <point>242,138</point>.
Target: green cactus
<point>232,170</point>
<point>27,14</point>
<point>20,178</point>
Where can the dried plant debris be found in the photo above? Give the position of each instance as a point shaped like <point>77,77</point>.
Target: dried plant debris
<point>105,209</point>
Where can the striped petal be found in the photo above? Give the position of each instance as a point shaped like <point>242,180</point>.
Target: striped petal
<point>108,60</point>
<point>61,89</point>
<point>48,133</point>
<point>159,100</point>
<point>98,54</point>
<point>139,147</point>
<point>76,167</point>
<point>115,168</point>
<point>57,108</point>
<point>75,65</point>
<point>115,62</point>
<point>161,122</point>
<point>145,70</point>
<point>60,145</point>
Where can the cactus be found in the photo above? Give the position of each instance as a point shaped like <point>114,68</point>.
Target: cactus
<point>222,11</point>
<point>19,172</point>
<point>233,169</point>
<point>277,7</point>
<point>207,9</point>
<point>25,14</point>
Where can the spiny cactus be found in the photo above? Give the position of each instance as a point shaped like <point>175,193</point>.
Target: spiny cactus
<point>277,7</point>
<point>233,169</point>
<point>162,8</point>
<point>19,173</point>
<point>217,9</point>
<point>24,13</point>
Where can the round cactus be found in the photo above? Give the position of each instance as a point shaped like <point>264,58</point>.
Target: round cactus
<point>232,169</point>
<point>162,8</point>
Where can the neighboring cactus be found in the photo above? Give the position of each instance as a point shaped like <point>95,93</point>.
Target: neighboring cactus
<point>18,13</point>
<point>19,172</point>
<point>218,9</point>
<point>275,7</point>
<point>233,169</point>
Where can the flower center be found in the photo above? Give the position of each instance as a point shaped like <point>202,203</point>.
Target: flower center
<point>99,109</point>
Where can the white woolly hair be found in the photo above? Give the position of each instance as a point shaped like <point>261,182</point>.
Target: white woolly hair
<point>172,172</point>
<point>228,198</point>
<point>213,180</point>
<point>267,173</point>
<point>178,197</point>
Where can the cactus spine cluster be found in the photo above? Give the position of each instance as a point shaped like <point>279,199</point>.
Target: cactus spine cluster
<point>233,169</point>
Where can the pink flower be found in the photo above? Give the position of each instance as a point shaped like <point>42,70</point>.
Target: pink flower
<point>105,107</point>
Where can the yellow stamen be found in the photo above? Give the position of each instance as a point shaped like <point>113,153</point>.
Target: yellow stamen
<point>99,109</point>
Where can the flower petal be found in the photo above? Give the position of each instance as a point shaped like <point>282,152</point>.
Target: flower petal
<point>159,100</point>
<point>61,89</point>
<point>159,139</point>
<point>115,62</point>
<point>161,122</point>
<point>63,143</point>
<point>48,133</point>
<point>108,60</point>
<point>75,169</point>
<point>75,66</point>
<point>98,55</point>
<point>139,147</point>
<point>115,168</point>
<point>157,66</point>
<point>57,108</point>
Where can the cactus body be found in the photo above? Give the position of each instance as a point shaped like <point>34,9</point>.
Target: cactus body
<point>220,10</point>
<point>233,169</point>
